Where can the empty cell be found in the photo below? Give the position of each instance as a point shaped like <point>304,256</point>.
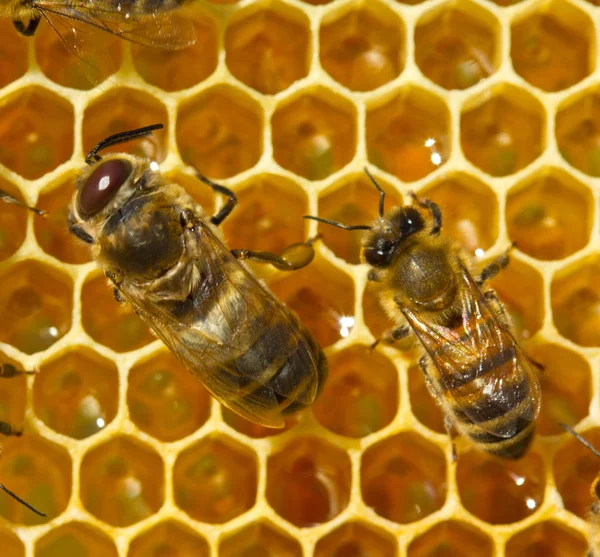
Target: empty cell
<point>549,539</point>
<point>457,47</point>
<point>550,215</point>
<point>403,478</point>
<point>36,303</point>
<point>13,53</point>
<point>122,481</point>
<point>36,131</point>
<point>76,539</point>
<point>314,135</point>
<point>165,399</point>
<point>169,539</point>
<point>77,394</point>
<point>268,49</point>
<point>215,480</point>
<point>13,221</point>
<point>260,539</point>
<point>219,132</point>
<point>355,539</point>
<point>503,132</point>
<point>451,539</point>
<point>409,134</point>
<point>500,491</point>
<point>422,404</point>
<point>360,395</point>
<point>363,48</point>
<point>308,481</point>
<point>12,546</point>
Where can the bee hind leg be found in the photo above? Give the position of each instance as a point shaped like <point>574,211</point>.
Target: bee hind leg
<point>434,210</point>
<point>31,26</point>
<point>225,211</point>
<point>292,258</point>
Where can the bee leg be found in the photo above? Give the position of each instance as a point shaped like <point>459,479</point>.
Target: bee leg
<point>8,370</point>
<point>31,26</point>
<point>78,231</point>
<point>9,430</point>
<point>292,258</point>
<point>7,198</point>
<point>434,210</point>
<point>118,296</point>
<point>452,434</point>
<point>225,211</point>
<point>392,335</point>
<point>493,268</point>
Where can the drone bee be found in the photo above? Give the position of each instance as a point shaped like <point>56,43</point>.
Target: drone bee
<point>165,257</point>
<point>480,376</point>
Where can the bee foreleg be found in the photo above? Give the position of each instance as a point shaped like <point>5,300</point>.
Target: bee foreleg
<point>434,210</point>
<point>494,267</point>
<point>228,207</point>
<point>8,370</point>
<point>392,335</point>
<point>31,26</point>
<point>292,258</point>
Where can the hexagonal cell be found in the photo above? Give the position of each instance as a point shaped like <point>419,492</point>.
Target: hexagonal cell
<point>562,401</point>
<point>36,131</point>
<point>550,216</point>
<point>549,539</point>
<point>12,546</point>
<point>451,539</point>
<point>253,430</point>
<point>13,396</point>
<point>122,481</point>
<point>215,480</point>
<point>69,70</point>
<point>268,48</point>
<point>578,132</point>
<point>502,132</point>
<point>125,109</point>
<point>173,70</point>
<point>169,538</point>
<point>361,393</point>
<point>77,394</point>
<point>521,290</point>
<point>353,201</point>
<point>422,404</point>
<point>13,53</point>
<point>36,303</point>
<point>322,296</point>
<point>77,539</point>
<point>38,471</point>
<point>575,467</point>
<point>551,47</point>
<point>469,208</point>
<point>364,48</point>
<point>314,135</point>
<point>308,481</point>
<point>575,299</point>
<point>219,132</point>
<point>403,478</point>
<point>269,215</point>
<point>108,322</point>
<point>500,491</point>
<point>356,539</point>
<point>13,222</point>
<point>259,539</point>
<point>165,399</point>
<point>457,47</point>
<point>408,135</point>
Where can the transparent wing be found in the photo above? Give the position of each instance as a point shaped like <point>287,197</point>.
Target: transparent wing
<point>480,363</point>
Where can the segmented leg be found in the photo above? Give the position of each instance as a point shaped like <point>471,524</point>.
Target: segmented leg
<point>434,210</point>
<point>225,211</point>
<point>31,26</point>
<point>292,258</point>
<point>494,267</point>
<point>76,230</point>
<point>392,335</point>
<point>8,370</point>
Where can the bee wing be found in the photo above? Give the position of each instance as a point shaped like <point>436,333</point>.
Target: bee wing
<point>480,363</point>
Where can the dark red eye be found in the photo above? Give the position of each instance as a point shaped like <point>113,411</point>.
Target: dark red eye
<point>101,186</point>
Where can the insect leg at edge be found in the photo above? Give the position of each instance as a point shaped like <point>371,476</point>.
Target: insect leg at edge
<point>434,210</point>
<point>391,336</point>
<point>31,26</point>
<point>225,211</point>
<point>494,267</point>
<point>7,198</point>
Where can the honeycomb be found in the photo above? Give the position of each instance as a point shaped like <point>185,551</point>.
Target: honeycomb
<point>490,108</point>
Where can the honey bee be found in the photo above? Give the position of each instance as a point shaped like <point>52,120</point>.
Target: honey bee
<point>480,376</point>
<point>166,257</point>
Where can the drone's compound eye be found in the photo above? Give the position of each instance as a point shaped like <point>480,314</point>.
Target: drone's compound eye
<point>101,186</point>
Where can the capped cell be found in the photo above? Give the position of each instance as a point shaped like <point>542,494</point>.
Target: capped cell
<point>109,322</point>
<point>356,539</point>
<point>308,481</point>
<point>408,135</point>
<point>36,131</point>
<point>77,394</point>
<point>122,481</point>
<point>13,53</point>
<point>13,221</point>
<point>363,48</point>
<point>323,298</point>
<point>39,471</point>
<point>215,480</point>
<point>314,134</point>
<point>551,46</point>
<point>500,491</point>
<point>36,303</point>
<point>219,132</point>
<point>174,70</point>
<point>124,109</point>
<point>75,539</point>
<point>451,538</point>
<point>268,49</point>
<point>164,399</point>
<point>259,539</point>
<point>403,478</point>
<point>423,405</point>
<point>550,215</point>
<point>457,46</point>
<point>169,538</point>
<point>12,546</point>
<point>360,395</point>
<point>501,132</point>
<point>353,200</point>
<point>548,538</point>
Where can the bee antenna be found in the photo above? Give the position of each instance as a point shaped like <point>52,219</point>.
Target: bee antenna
<point>117,138</point>
<point>338,224</point>
<point>579,438</point>
<point>17,498</point>
<point>381,192</point>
